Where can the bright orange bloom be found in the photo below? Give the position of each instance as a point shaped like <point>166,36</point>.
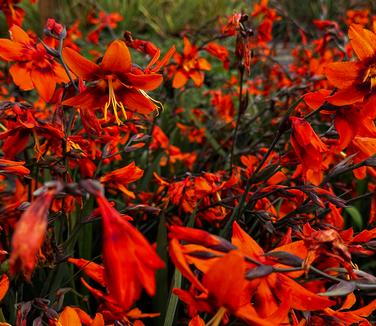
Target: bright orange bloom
<point>30,233</point>
<point>309,148</point>
<point>130,262</point>
<point>119,178</point>
<point>189,65</point>
<point>7,166</point>
<point>119,85</point>
<point>354,79</point>
<point>33,67</point>
<point>267,292</point>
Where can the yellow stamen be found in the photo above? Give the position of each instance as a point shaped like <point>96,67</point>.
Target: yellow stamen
<point>370,76</point>
<point>3,127</point>
<point>114,103</point>
<point>216,320</point>
<point>159,104</point>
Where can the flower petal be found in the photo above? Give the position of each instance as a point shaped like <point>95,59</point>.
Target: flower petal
<point>363,41</point>
<point>19,35</point>
<point>44,82</point>
<point>180,79</point>
<point>21,76</point>
<point>137,102</point>
<point>347,96</point>
<point>80,66</point>
<point>343,74</point>
<point>146,82</point>
<point>9,50</point>
<point>117,58</point>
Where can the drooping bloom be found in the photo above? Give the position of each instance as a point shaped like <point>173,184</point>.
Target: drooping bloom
<point>118,84</point>
<point>309,148</point>
<point>33,67</point>
<point>189,65</point>
<point>30,233</point>
<point>130,262</point>
<point>354,79</point>
<point>12,167</point>
<point>119,178</point>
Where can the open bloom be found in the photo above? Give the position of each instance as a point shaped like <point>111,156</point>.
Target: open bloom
<point>33,67</point>
<point>354,79</point>
<point>189,65</point>
<point>116,83</point>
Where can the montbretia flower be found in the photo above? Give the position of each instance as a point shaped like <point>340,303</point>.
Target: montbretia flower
<point>33,67</point>
<point>116,83</point>
<point>189,65</point>
<point>130,262</point>
<point>355,79</point>
<point>119,178</point>
<point>30,233</point>
<point>12,167</point>
<point>309,148</point>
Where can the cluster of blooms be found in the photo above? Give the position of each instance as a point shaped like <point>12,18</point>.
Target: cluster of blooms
<point>242,190</point>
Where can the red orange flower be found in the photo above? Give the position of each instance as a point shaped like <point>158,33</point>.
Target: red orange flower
<point>30,233</point>
<point>355,79</point>
<point>118,84</point>
<point>33,67</point>
<point>189,65</point>
<point>309,148</point>
<point>130,261</point>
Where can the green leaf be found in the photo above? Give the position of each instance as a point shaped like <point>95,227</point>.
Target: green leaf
<point>356,217</point>
<point>173,300</point>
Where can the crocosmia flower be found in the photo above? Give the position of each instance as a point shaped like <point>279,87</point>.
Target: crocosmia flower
<point>117,84</point>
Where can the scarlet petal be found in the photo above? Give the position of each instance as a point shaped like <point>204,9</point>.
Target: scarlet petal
<point>302,299</point>
<point>146,82</point>
<point>244,242</point>
<point>29,235</point>
<point>363,41</point>
<point>177,256</point>
<point>345,131</point>
<point>197,77</point>
<point>180,79</point>
<point>87,100</point>
<point>19,35</point>
<point>347,96</point>
<point>44,82</point>
<point>187,46</point>
<point>9,50</point>
<point>343,74</point>
<point>117,58</point>
<point>203,64</point>
<point>137,102</point>
<point>4,286</point>
<point>130,261</point>
<point>81,66</point>
<point>21,76</point>
<point>225,280</point>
